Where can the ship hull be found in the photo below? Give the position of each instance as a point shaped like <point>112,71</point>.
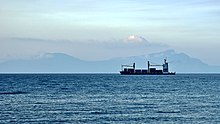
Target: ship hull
<point>128,73</point>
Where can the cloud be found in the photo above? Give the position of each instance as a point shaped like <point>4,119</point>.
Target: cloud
<point>134,38</point>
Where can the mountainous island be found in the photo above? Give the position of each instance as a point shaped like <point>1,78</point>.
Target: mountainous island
<point>60,62</point>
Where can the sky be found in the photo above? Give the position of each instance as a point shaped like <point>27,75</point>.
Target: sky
<point>98,29</point>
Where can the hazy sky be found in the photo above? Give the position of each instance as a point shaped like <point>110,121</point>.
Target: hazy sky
<point>99,29</point>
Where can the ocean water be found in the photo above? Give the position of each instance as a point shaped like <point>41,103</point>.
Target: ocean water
<point>109,98</point>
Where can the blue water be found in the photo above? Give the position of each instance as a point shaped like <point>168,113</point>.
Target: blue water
<point>109,98</point>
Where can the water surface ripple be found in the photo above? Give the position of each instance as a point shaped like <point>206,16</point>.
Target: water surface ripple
<point>109,98</point>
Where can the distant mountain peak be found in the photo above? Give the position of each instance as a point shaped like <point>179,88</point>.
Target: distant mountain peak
<point>167,52</point>
<point>54,55</point>
<point>163,54</point>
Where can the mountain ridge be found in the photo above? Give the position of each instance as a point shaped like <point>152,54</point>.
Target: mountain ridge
<point>60,62</point>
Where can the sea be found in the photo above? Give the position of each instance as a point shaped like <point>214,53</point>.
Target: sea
<point>109,98</point>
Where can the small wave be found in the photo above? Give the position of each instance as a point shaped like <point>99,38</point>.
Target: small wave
<point>96,112</point>
<point>12,93</point>
<point>168,111</point>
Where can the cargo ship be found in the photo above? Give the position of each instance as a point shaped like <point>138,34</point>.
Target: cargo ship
<point>131,70</point>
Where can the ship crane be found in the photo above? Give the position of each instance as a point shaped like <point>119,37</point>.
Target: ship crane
<point>132,66</point>
<point>155,65</point>
<point>165,66</point>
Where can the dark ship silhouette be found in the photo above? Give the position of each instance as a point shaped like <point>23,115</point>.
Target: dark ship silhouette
<point>130,70</point>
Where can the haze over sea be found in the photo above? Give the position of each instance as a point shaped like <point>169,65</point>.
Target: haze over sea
<point>109,98</point>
